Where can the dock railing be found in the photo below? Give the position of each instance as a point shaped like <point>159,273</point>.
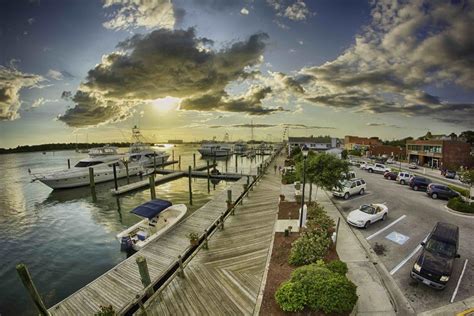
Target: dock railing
<point>152,292</point>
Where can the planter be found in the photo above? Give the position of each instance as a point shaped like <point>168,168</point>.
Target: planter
<point>297,186</point>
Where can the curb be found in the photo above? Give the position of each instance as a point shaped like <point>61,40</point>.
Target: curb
<point>450,210</point>
<point>399,302</point>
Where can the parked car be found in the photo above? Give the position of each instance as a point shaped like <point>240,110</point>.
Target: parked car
<point>390,175</point>
<point>435,263</point>
<point>349,175</point>
<point>413,165</point>
<point>378,168</point>
<point>363,165</point>
<point>367,214</point>
<point>436,190</point>
<point>417,183</point>
<point>390,161</point>
<point>350,187</point>
<point>403,177</point>
<point>450,174</point>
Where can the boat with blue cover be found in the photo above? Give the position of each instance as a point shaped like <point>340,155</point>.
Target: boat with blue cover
<point>158,217</point>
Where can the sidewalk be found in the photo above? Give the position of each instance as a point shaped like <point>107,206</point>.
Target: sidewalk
<point>374,299</point>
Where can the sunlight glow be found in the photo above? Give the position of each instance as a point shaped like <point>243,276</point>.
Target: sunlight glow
<point>166,104</point>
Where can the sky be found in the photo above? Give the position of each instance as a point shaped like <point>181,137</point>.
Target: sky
<point>89,70</point>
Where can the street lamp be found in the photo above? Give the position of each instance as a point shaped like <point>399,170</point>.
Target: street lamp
<point>304,151</point>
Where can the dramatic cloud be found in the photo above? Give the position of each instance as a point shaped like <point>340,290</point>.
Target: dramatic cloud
<point>295,11</point>
<point>170,63</point>
<point>406,48</point>
<point>58,75</point>
<point>260,125</point>
<point>11,82</point>
<point>382,125</point>
<point>141,13</point>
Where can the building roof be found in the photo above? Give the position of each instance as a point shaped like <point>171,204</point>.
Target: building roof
<point>319,139</point>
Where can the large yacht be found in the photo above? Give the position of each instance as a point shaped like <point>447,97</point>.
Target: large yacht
<point>79,174</point>
<point>215,150</point>
<point>143,154</point>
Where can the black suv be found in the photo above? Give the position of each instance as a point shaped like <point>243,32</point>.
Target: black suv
<point>435,264</point>
<point>417,183</point>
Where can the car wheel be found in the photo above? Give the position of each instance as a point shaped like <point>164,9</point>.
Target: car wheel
<point>415,188</point>
<point>361,192</point>
<point>434,196</point>
<point>370,170</point>
<point>384,217</point>
<point>402,182</point>
<point>346,196</point>
<point>367,224</point>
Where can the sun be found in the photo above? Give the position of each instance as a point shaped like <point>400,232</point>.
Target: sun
<point>166,104</point>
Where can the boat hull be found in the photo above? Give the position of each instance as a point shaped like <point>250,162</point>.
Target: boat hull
<point>215,153</point>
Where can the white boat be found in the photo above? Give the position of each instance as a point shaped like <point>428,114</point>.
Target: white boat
<point>215,150</point>
<point>103,151</point>
<point>240,148</point>
<point>78,175</point>
<point>143,154</point>
<point>158,217</point>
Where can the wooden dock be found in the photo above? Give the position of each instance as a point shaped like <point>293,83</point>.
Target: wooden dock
<point>145,183</point>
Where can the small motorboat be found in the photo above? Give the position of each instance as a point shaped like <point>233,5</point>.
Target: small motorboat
<point>158,217</point>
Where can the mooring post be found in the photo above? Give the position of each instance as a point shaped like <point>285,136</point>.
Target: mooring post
<point>92,183</point>
<point>226,163</point>
<point>126,171</point>
<point>144,274</point>
<point>172,157</point>
<point>222,221</point>
<point>208,178</point>
<point>154,162</point>
<point>179,162</point>
<point>114,166</point>
<point>214,163</point>
<point>181,267</point>
<point>31,288</point>
<point>151,178</point>
<point>68,163</point>
<point>229,201</point>
<point>194,161</point>
<point>236,163</point>
<point>190,188</point>
<point>206,246</point>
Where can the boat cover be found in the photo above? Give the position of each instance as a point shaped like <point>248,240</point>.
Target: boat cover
<point>151,208</point>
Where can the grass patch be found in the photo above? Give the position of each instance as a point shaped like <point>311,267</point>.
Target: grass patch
<point>463,192</point>
<point>459,205</point>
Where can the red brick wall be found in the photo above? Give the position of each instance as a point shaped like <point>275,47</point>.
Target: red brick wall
<point>387,150</point>
<point>456,154</point>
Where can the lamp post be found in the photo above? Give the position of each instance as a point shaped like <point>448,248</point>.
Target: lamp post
<point>305,152</point>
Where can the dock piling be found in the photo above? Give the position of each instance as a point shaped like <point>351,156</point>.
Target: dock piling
<point>194,161</point>
<point>181,267</point>
<point>229,201</point>
<point>190,188</point>
<point>69,163</point>
<point>114,167</point>
<point>208,178</point>
<point>236,163</point>
<point>151,178</point>
<point>154,162</point>
<point>126,171</point>
<point>31,288</point>
<point>92,184</point>
<point>221,220</point>
<point>179,162</point>
<point>206,246</point>
<point>144,274</point>
<point>172,156</point>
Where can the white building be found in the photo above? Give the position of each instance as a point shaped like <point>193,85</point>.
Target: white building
<point>320,143</point>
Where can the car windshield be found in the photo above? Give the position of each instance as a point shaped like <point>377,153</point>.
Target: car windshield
<point>442,248</point>
<point>367,209</point>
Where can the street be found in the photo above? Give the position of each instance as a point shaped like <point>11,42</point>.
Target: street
<point>412,215</point>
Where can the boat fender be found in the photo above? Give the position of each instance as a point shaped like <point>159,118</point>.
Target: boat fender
<point>126,243</point>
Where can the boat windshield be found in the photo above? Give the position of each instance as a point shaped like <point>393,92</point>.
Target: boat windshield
<point>84,164</point>
<point>442,248</point>
<point>367,209</point>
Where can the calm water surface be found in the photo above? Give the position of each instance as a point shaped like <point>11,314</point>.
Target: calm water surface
<point>65,238</point>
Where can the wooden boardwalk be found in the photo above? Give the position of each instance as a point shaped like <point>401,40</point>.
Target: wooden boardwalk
<point>119,286</point>
<point>225,280</point>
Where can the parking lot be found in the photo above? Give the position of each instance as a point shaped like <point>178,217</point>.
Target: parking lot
<point>412,215</point>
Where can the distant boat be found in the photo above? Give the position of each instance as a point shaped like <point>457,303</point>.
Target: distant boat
<point>158,217</point>
<point>142,153</point>
<point>215,150</point>
<point>78,175</point>
<point>240,148</point>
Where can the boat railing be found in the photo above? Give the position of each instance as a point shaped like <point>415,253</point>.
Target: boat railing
<point>143,300</point>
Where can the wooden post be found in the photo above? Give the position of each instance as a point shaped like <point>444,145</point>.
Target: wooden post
<point>236,163</point>
<point>190,188</point>
<point>92,184</point>
<point>172,157</point>
<point>151,178</point>
<point>226,163</point>
<point>144,274</point>
<point>181,267</point>
<point>194,161</point>
<point>154,162</point>
<point>31,288</point>
<point>179,162</point>
<point>69,163</point>
<point>208,178</point>
<point>222,221</point>
<point>229,201</point>
<point>214,163</point>
<point>126,170</point>
<point>206,246</point>
<point>114,167</point>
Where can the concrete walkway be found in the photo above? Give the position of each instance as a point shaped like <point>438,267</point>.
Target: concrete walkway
<point>374,299</point>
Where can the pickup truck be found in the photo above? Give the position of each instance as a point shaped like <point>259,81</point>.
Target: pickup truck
<point>376,167</point>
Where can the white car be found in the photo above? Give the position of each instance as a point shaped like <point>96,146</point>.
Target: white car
<point>350,187</point>
<point>377,167</point>
<point>403,177</point>
<point>367,214</point>
<point>362,165</point>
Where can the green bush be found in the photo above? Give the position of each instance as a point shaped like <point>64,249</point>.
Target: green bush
<point>337,266</point>
<point>318,218</point>
<point>288,177</point>
<point>310,247</point>
<point>459,205</point>
<point>290,297</point>
<point>319,288</point>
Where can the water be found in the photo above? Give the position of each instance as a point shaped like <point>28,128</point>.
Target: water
<point>65,238</point>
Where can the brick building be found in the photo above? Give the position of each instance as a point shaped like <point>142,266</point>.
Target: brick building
<point>387,151</point>
<point>364,143</point>
<point>440,153</point>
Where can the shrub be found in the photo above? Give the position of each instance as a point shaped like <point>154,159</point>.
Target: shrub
<point>463,192</point>
<point>288,177</point>
<point>337,266</point>
<point>339,294</point>
<point>290,297</point>
<point>310,247</point>
<point>317,218</point>
<point>311,279</point>
<point>458,204</point>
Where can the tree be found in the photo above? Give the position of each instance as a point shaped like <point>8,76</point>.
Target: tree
<point>344,154</point>
<point>325,170</point>
<point>468,178</point>
<point>468,136</point>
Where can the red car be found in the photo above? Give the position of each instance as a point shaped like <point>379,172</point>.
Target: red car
<point>390,175</point>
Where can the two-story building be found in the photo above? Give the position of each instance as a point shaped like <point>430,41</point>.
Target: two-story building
<point>439,153</point>
<point>360,143</point>
<point>320,143</point>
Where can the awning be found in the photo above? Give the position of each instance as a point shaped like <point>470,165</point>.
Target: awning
<point>152,208</point>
